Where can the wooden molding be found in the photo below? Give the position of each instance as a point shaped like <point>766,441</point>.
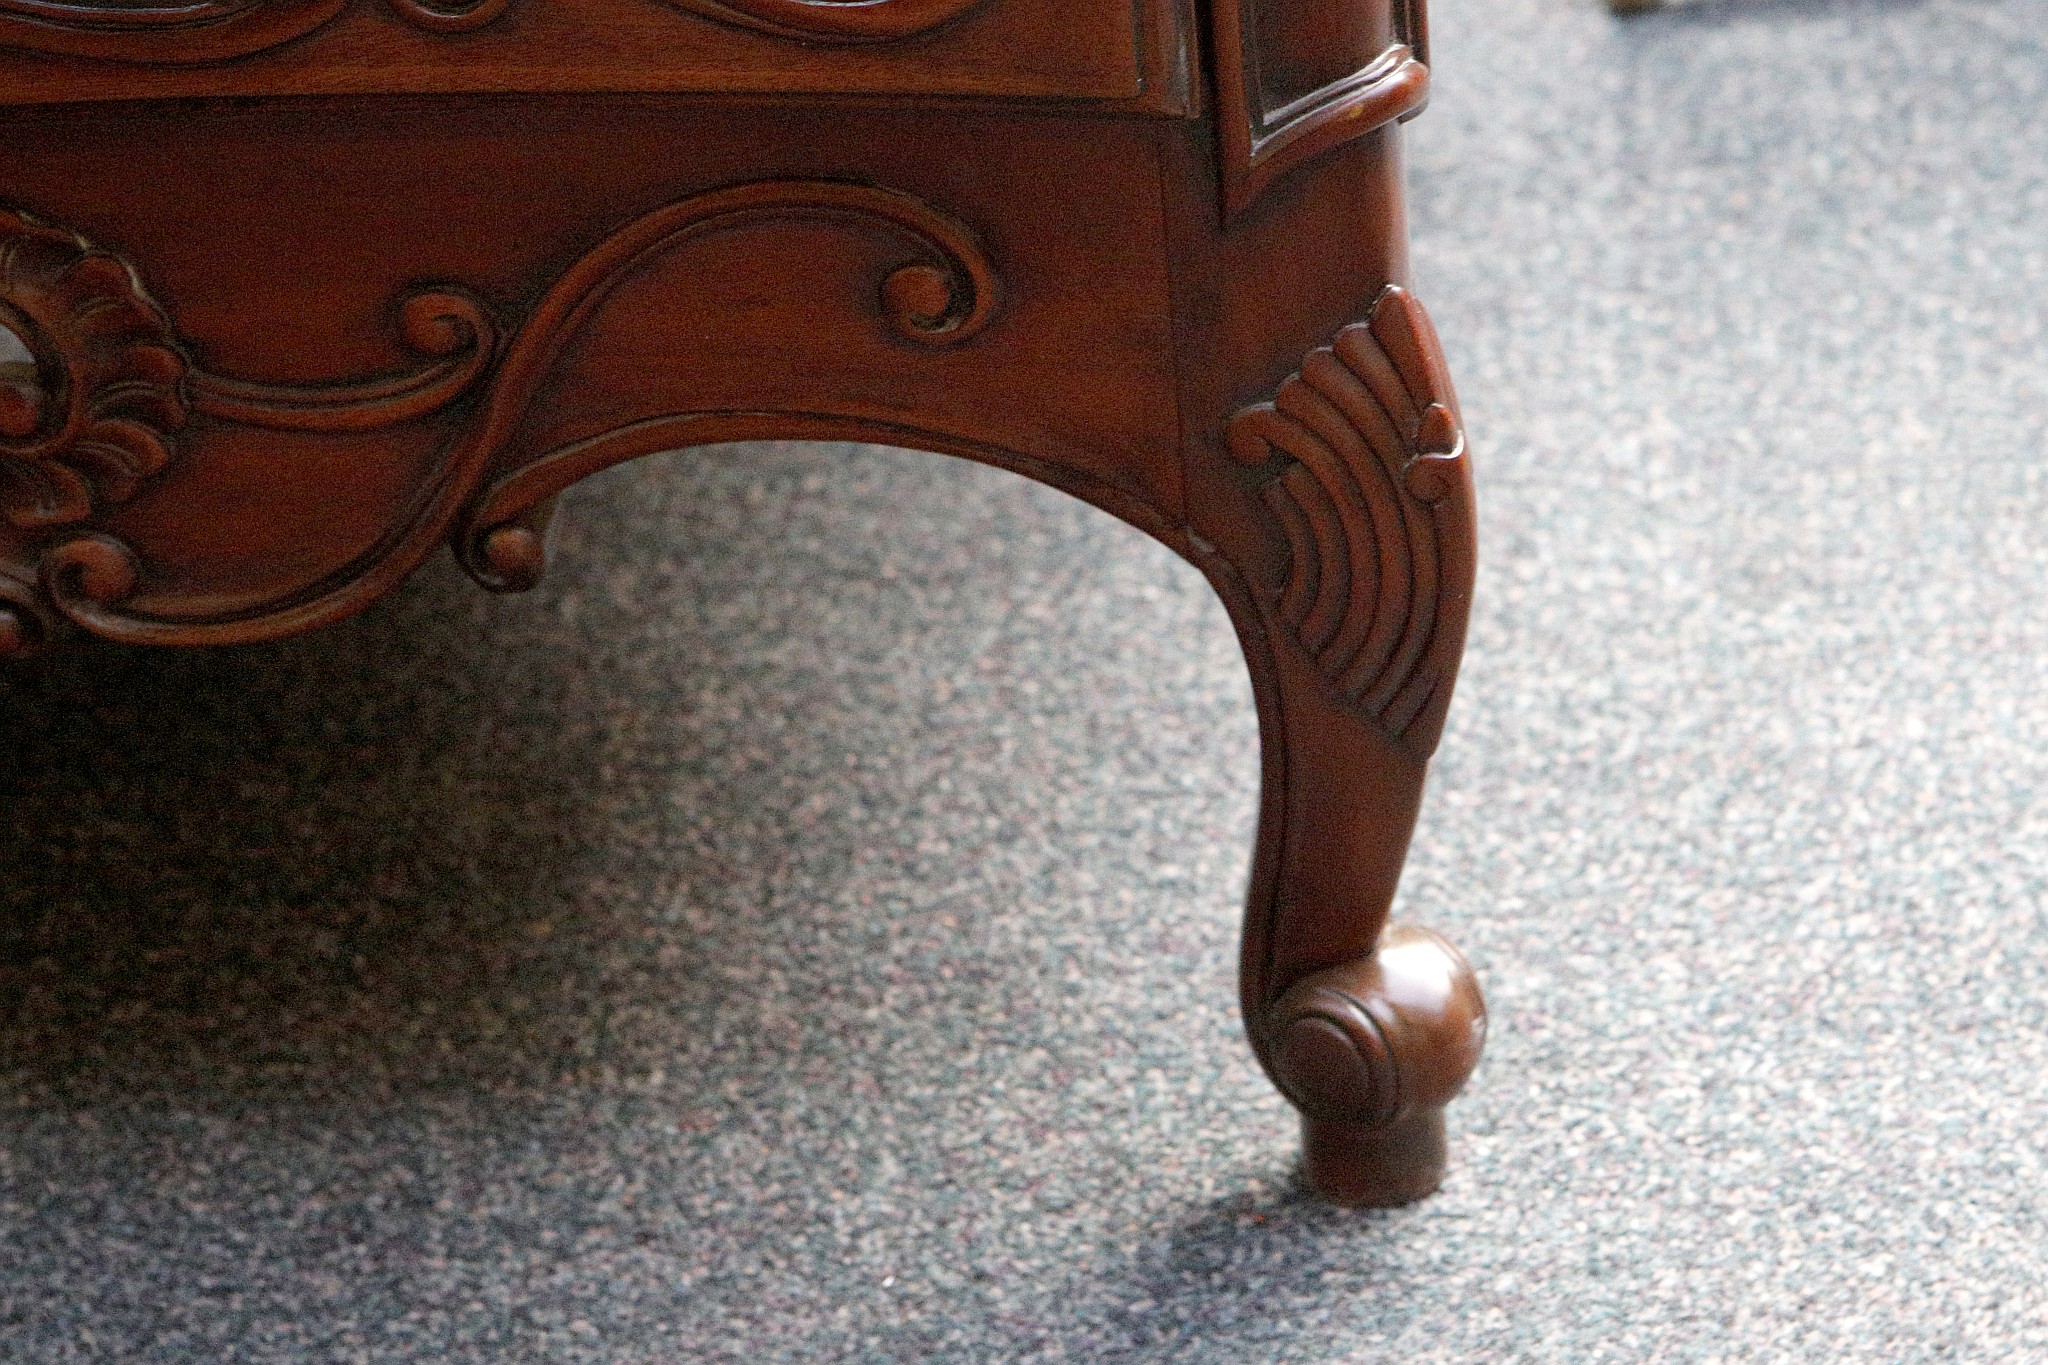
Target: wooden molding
<point>456,18</point>
<point>1361,460</point>
<point>204,30</point>
<point>1259,142</point>
<point>451,328</point>
<point>1134,55</point>
<point>215,30</point>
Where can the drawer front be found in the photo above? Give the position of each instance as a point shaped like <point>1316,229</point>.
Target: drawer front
<point>1118,51</point>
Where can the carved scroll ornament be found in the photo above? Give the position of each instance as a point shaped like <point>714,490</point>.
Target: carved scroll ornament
<point>1361,460</point>
<point>122,388</point>
<point>197,31</point>
<point>173,34</point>
<point>942,298</point>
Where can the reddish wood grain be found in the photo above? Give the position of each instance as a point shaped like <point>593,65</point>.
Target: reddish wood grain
<point>437,262</point>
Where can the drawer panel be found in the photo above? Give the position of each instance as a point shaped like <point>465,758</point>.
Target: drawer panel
<point>1131,52</point>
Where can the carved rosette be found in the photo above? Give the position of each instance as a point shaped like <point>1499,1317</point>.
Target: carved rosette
<point>98,409</point>
<point>1361,460</point>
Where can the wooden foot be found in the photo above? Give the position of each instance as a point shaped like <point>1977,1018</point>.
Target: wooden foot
<point>1370,1052</point>
<point>1358,1166</point>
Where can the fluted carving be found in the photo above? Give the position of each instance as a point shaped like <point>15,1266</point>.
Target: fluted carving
<point>1361,459</point>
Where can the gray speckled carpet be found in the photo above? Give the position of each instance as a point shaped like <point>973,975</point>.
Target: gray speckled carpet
<point>804,930</point>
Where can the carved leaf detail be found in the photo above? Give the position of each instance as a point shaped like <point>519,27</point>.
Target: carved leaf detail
<point>1361,460</point>
<point>103,396</point>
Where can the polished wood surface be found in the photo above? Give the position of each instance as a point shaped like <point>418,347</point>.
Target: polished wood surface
<point>1128,53</point>
<point>435,264</point>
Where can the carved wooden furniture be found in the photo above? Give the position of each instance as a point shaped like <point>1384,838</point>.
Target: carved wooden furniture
<point>293,292</point>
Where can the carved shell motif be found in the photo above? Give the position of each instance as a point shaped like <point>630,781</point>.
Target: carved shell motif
<point>95,408</point>
<point>1361,460</point>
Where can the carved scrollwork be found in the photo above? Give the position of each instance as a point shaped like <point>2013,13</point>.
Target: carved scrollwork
<point>834,21</point>
<point>168,34</point>
<point>943,298</point>
<point>96,408</point>
<point>172,34</point>
<point>25,623</point>
<point>941,292</point>
<point>451,328</point>
<point>1361,460</point>
<point>90,572</point>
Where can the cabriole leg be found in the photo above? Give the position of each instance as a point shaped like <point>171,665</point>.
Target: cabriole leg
<point>1343,544</point>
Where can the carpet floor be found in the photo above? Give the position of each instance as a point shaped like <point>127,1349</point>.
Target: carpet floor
<point>804,929</point>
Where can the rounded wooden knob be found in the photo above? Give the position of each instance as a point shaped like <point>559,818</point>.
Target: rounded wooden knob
<point>1373,1041</point>
<point>517,557</point>
<point>919,299</point>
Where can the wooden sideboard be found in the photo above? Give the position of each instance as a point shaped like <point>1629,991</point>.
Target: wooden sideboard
<point>295,292</point>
